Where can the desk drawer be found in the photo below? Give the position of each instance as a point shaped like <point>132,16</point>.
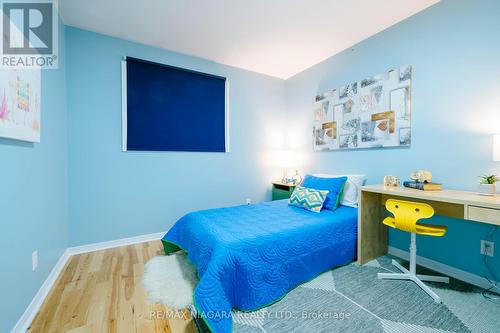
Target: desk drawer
<point>485,215</point>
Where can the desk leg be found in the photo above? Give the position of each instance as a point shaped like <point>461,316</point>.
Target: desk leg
<point>372,234</point>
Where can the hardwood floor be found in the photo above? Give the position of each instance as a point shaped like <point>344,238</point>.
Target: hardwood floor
<point>102,292</point>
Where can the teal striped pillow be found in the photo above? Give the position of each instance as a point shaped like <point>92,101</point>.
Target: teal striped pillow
<point>308,198</point>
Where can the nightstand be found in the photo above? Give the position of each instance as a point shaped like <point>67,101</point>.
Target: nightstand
<point>282,191</point>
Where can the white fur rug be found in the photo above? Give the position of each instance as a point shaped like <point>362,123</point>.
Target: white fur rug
<point>170,280</point>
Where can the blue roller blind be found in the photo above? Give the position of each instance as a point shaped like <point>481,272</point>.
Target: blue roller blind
<point>174,109</point>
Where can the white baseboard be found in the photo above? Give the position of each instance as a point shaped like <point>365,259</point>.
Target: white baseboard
<point>115,243</point>
<point>29,314</point>
<point>443,269</point>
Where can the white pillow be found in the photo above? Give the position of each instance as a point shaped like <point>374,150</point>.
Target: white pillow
<point>350,197</point>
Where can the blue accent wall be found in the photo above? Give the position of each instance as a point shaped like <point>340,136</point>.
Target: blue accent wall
<point>453,47</point>
<point>115,194</point>
<point>34,199</point>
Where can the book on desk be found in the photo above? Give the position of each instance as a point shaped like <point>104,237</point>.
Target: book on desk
<point>423,186</point>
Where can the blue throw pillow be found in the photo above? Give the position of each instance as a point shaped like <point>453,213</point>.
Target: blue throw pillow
<point>334,186</point>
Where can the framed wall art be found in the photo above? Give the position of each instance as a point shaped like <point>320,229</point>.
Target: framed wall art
<point>371,113</point>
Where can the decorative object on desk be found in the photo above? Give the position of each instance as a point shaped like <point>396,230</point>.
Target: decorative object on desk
<point>391,181</point>
<point>371,113</point>
<point>423,186</point>
<point>487,184</point>
<point>421,176</point>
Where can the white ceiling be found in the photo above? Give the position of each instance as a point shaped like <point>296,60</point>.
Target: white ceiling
<point>274,37</point>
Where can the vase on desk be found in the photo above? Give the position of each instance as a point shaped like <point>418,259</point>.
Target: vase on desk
<point>487,189</point>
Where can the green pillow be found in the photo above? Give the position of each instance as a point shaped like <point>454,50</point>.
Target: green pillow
<point>308,198</point>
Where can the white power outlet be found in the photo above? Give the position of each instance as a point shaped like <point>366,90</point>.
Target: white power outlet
<point>34,260</point>
<point>487,248</point>
<point>249,201</point>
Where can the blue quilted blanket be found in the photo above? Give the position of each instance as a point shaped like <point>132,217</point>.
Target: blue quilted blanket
<point>248,257</point>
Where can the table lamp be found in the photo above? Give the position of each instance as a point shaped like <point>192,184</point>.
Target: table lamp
<point>286,161</point>
<point>496,147</point>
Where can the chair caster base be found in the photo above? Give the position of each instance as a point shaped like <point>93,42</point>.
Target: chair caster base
<point>418,279</point>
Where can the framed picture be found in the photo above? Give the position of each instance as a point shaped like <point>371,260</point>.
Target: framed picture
<point>372,113</point>
<point>20,104</point>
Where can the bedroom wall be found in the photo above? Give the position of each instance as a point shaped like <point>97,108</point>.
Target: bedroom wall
<point>453,47</point>
<point>114,194</point>
<point>34,199</point>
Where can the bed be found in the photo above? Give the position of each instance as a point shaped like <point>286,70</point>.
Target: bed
<point>248,257</point>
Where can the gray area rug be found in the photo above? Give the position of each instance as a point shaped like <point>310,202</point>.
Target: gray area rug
<point>352,299</point>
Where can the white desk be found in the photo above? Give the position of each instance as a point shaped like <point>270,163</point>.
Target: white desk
<point>372,234</point>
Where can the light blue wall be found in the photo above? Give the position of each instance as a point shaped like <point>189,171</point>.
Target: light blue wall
<point>115,194</point>
<point>34,199</point>
<point>454,48</point>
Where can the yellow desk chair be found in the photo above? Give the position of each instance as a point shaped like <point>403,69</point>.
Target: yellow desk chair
<point>406,215</point>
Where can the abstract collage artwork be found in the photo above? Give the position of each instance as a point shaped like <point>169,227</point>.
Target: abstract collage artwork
<point>371,113</point>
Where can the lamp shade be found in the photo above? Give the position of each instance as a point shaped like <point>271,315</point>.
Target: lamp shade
<point>496,147</point>
<point>286,159</point>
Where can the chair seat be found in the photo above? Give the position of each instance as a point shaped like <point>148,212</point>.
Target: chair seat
<point>431,230</point>
<point>420,228</point>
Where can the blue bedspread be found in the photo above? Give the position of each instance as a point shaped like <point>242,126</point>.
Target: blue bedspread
<point>248,257</point>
